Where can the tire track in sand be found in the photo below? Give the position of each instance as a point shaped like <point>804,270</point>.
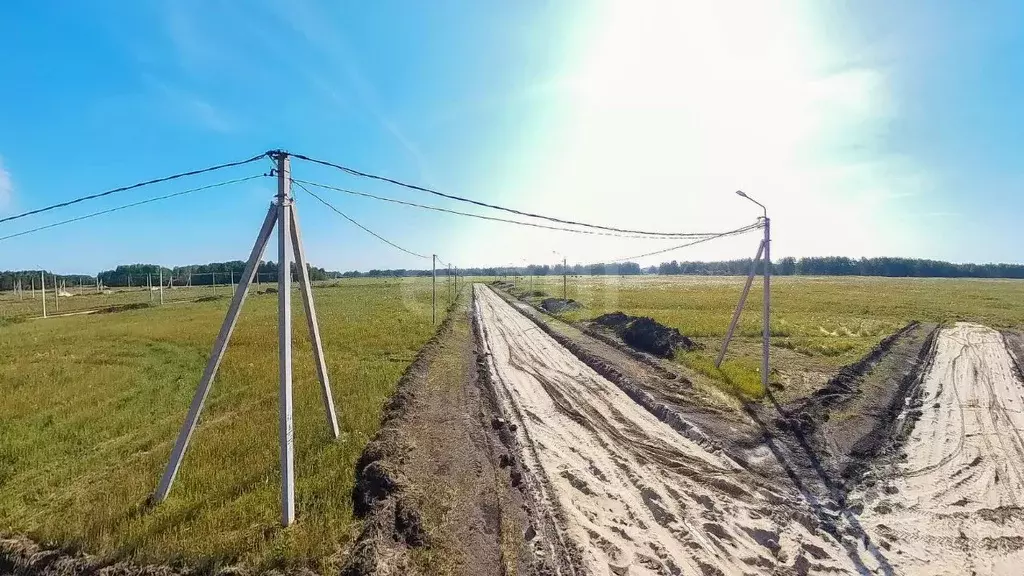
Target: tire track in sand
<point>953,506</point>
<point>630,493</point>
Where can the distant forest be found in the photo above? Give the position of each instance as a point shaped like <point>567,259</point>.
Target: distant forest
<point>139,274</point>
<point>816,266</point>
<point>224,272</point>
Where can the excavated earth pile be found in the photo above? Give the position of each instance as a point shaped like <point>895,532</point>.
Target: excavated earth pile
<point>646,334</point>
<point>558,305</point>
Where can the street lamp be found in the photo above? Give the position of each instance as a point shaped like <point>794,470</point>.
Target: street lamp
<point>744,194</point>
<point>766,320</point>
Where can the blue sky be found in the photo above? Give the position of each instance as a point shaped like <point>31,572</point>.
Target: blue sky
<point>868,128</point>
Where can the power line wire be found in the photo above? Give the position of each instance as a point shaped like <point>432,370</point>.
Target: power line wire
<point>345,216</point>
<point>132,187</point>
<point>133,204</point>
<point>735,232</point>
<point>492,218</point>
<point>493,206</point>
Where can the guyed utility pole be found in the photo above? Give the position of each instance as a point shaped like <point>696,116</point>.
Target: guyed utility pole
<point>289,242</point>
<point>763,249</point>
<point>565,281</point>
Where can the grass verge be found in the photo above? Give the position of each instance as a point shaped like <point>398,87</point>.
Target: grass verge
<point>91,405</point>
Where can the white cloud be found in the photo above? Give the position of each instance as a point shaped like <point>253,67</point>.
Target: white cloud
<point>6,188</point>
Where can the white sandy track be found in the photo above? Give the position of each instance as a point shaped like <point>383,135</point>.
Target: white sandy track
<point>954,506</point>
<point>632,494</point>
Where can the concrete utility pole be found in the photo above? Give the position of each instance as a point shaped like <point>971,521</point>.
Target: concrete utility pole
<point>161,285</point>
<point>433,290</point>
<point>42,287</point>
<point>282,213</point>
<point>565,281</point>
<point>149,286</point>
<point>56,295</point>
<point>284,339</point>
<point>766,338</point>
<point>766,314</point>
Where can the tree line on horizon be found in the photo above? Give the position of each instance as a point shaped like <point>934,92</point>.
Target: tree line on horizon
<point>789,266</point>
<point>203,274</point>
<point>137,275</point>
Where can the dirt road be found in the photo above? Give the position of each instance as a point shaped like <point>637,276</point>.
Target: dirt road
<point>954,506</point>
<point>630,494</point>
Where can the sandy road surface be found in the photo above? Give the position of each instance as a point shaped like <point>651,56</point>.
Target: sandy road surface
<point>954,506</point>
<point>633,495</point>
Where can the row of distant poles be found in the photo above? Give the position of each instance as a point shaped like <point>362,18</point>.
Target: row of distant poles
<point>61,288</point>
<point>452,286</point>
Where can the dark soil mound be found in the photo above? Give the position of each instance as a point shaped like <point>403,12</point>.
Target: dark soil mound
<point>614,320</point>
<point>557,305</point>
<point>123,308</point>
<point>645,334</point>
<point>213,298</point>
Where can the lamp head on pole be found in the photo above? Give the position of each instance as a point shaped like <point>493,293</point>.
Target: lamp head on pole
<point>744,195</point>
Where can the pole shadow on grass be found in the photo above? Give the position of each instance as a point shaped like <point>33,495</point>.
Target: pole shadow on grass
<point>824,517</point>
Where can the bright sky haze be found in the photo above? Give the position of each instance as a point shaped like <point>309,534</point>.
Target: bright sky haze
<point>868,128</point>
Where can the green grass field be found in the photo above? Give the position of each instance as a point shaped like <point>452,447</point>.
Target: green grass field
<point>817,325</point>
<point>92,403</point>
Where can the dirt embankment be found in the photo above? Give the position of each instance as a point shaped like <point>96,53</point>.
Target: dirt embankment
<point>22,557</point>
<point>859,414</point>
<point>439,486</point>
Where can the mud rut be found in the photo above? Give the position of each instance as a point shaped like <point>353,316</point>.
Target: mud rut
<point>628,493</point>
